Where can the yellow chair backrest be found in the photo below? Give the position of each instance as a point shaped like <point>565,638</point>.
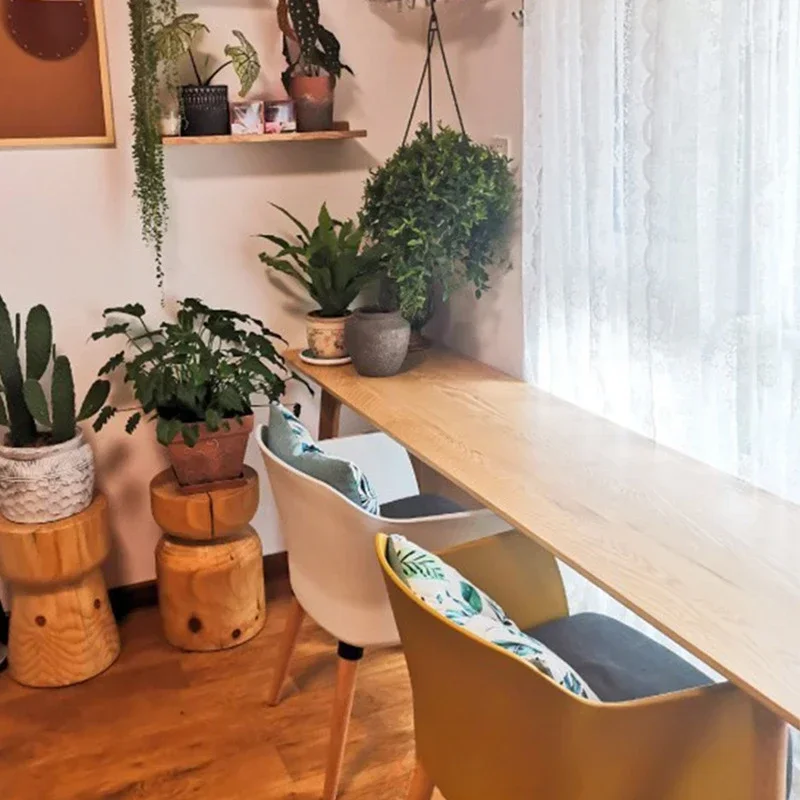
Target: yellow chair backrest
<point>491,727</point>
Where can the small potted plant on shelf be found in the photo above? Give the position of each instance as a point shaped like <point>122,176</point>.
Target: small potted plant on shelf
<point>440,206</point>
<point>205,107</point>
<point>313,63</point>
<point>197,378</point>
<point>46,466</point>
<point>333,264</point>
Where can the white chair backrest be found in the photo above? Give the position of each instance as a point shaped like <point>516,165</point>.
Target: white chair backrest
<point>332,565</point>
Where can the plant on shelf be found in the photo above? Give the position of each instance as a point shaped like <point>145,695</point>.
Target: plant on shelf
<point>440,207</point>
<point>205,107</point>
<point>46,467</point>
<point>313,63</point>
<point>333,264</point>
<point>197,378</point>
<point>146,18</point>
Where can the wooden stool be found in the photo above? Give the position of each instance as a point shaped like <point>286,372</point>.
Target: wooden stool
<point>209,564</point>
<point>62,629</point>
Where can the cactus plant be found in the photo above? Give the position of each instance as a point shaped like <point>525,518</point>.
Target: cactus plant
<point>14,412</point>
<point>62,421</point>
<point>22,400</point>
<point>319,49</point>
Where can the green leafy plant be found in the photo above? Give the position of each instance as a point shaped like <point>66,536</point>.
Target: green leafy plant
<point>206,367</point>
<point>175,39</point>
<point>308,46</point>
<point>332,262</point>
<point>146,18</point>
<point>440,206</point>
<point>23,403</point>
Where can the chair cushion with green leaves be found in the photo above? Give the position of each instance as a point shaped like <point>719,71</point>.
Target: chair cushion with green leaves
<point>290,441</point>
<point>450,594</point>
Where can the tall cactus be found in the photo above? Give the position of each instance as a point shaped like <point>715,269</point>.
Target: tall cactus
<point>14,412</point>
<point>63,421</point>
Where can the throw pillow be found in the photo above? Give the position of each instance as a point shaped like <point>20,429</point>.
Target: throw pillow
<point>290,441</point>
<point>450,594</point>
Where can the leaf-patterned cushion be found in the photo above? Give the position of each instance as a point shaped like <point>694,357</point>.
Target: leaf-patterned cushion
<point>290,441</point>
<point>449,593</point>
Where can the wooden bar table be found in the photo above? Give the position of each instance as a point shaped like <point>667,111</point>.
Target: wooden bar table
<point>708,559</point>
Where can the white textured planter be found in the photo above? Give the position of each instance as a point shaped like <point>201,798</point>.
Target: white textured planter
<point>43,484</point>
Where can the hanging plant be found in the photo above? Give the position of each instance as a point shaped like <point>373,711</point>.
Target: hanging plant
<point>146,17</point>
<point>440,208</point>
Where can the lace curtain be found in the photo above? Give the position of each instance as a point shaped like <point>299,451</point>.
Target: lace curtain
<point>662,220</point>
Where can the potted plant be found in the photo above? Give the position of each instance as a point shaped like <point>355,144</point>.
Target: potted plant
<point>313,64</point>
<point>146,18</point>
<point>46,466</point>
<point>333,264</point>
<point>440,206</point>
<point>197,378</point>
<point>205,107</point>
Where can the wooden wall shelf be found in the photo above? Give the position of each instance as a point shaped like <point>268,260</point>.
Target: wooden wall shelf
<point>338,134</point>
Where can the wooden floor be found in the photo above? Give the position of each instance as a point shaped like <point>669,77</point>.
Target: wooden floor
<point>163,725</point>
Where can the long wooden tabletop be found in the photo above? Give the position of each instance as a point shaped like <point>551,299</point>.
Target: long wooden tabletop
<point>706,558</point>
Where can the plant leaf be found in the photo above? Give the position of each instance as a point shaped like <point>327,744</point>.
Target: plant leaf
<point>38,342</point>
<point>111,330</point>
<point>3,412</point>
<point>133,422</point>
<point>245,62</point>
<point>62,400</point>
<point>36,402</point>
<point>175,38</point>
<point>115,361</point>
<point>167,430</point>
<point>103,417</point>
<point>130,309</point>
<point>94,400</point>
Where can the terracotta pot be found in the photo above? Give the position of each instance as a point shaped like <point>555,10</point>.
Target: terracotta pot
<point>326,335</point>
<point>313,100</point>
<point>45,484</point>
<point>217,456</point>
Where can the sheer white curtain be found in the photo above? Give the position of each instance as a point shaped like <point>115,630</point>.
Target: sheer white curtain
<point>662,202</point>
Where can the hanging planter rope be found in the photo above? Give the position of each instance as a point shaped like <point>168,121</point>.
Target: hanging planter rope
<point>434,38</point>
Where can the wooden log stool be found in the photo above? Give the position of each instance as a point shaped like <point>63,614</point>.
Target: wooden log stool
<point>209,564</point>
<point>62,629</point>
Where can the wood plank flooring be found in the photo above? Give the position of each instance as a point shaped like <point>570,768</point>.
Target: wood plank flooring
<point>166,725</point>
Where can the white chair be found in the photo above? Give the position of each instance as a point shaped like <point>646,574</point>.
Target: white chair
<point>333,571</point>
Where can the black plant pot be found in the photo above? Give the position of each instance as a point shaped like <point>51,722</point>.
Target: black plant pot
<point>205,111</point>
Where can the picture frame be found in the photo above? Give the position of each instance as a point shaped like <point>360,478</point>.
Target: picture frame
<point>51,98</point>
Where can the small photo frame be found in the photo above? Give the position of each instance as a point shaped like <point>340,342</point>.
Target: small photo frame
<point>279,117</point>
<point>247,118</point>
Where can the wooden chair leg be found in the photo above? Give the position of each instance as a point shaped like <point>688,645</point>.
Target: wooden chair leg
<point>349,658</point>
<point>421,784</point>
<point>286,649</point>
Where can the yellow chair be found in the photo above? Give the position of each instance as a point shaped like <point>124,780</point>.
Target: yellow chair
<point>491,727</point>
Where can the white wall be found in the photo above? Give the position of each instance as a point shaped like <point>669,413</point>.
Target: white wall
<point>69,230</point>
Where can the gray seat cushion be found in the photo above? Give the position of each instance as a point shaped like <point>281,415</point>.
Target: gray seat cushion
<point>618,662</point>
<point>420,505</point>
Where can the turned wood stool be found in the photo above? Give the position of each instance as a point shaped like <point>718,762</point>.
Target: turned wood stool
<point>209,564</point>
<point>62,629</point>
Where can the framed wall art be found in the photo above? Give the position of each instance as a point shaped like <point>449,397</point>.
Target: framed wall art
<point>55,87</point>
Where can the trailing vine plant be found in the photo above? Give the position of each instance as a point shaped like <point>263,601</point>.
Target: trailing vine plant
<point>146,18</point>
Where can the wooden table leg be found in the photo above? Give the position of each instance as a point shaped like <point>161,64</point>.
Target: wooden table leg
<point>329,412</point>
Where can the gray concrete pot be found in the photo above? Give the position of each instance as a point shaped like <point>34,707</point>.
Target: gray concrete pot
<point>377,341</point>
